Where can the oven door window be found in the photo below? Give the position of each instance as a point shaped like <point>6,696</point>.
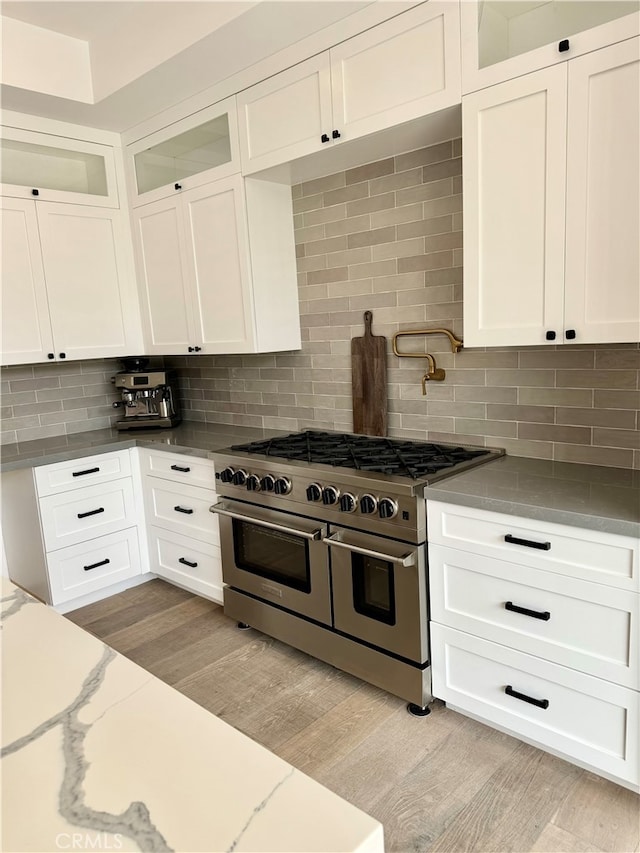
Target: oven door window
<point>280,557</point>
<point>373,588</point>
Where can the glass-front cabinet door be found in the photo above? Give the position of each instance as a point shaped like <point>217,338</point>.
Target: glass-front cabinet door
<point>196,150</point>
<point>503,39</point>
<point>50,168</point>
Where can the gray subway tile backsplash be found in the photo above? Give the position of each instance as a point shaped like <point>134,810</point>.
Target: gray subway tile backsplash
<point>384,237</point>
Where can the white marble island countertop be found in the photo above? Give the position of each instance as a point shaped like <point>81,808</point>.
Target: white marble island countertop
<point>98,754</point>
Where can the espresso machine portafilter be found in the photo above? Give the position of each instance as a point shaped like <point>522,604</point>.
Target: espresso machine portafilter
<point>148,397</point>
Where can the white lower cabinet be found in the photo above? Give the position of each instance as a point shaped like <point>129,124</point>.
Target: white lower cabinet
<point>187,562</point>
<point>94,565</point>
<point>70,529</point>
<point>584,719</point>
<point>183,535</point>
<point>534,630</point>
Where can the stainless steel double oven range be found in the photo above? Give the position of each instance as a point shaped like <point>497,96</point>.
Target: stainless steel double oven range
<point>323,547</point>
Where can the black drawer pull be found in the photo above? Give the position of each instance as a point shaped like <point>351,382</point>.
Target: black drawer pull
<point>82,473</point>
<point>539,703</point>
<point>541,546</point>
<point>535,614</point>
<point>187,563</point>
<point>91,512</point>
<point>179,468</point>
<point>182,509</point>
<point>95,565</point>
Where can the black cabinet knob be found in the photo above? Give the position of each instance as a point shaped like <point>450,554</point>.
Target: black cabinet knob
<point>197,349</point>
<point>336,134</point>
<point>324,138</point>
<point>177,186</point>
<point>63,355</point>
<point>35,192</point>
<point>190,349</point>
<point>550,336</point>
<point>570,334</point>
<point>50,355</point>
<point>563,45</point>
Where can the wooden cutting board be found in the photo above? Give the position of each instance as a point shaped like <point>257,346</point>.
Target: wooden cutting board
<point>369,381</point>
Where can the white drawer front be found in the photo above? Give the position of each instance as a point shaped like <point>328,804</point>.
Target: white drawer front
<point>178,467</point>
<point>574,551</point>
<point>582,625</point>
<point>182,509</point>
<point>79,473</point>
<point>83,568</point>
<point>588,719</point>
<point>86,513</point>
<point>191,564</point>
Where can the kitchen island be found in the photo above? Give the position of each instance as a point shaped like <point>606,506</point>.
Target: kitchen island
<point>97,753</point>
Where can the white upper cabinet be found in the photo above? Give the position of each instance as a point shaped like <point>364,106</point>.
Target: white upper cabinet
<point>26,326</point>
<point>602,283</point>
<point>67,289</point>
<point>286,116</point>
<point>502,39</point>
<point>551,202</point>
<point>197,150</point>
<point>399,70</point>
<point>51,168</point>
<point>217,269</point>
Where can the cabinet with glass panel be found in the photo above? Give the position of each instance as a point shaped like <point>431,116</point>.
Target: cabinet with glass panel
<point>186,154</point>
<point>53,168</point>
<point>503,39</point>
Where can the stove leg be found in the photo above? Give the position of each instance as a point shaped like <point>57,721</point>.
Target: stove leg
<point>418,710</point>
<point>243,626</point>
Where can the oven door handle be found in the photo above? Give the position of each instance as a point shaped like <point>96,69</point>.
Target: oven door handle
<point>406,560</point>
<point>313,534</point>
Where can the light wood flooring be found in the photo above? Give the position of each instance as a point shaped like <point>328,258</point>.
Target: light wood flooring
<point>440,783</point>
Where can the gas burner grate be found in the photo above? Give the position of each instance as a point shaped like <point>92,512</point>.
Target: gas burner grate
<point>381,455</point>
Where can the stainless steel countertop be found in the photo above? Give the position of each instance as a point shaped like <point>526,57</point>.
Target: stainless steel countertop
<point>590,496</point>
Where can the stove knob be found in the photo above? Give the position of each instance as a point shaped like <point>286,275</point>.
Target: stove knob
<point>368,504</point>
<point>330,495</point>
<point>348,502</point>
<point>226,475</point>
<point>387,508</point>
<point>253,483</point>
<point>282,486</point>
<point>267,483</point>
<point>239,477</point>
<point>314,492</point>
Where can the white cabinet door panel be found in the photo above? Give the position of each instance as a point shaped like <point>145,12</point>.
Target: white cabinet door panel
<point>514,189</point>
<point>159,247</point>
<point>79,473</point>
<point>585,626</point>
<point>284,117</point>
<point>602,285</point>
<point>80,569</point>
<point>26,329</point>
<point>405,68</point>
<point>187,562</point>
<point>582,717</point>
<point>217,255</point>
<point>83,514</point>
<point>90,298</point>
